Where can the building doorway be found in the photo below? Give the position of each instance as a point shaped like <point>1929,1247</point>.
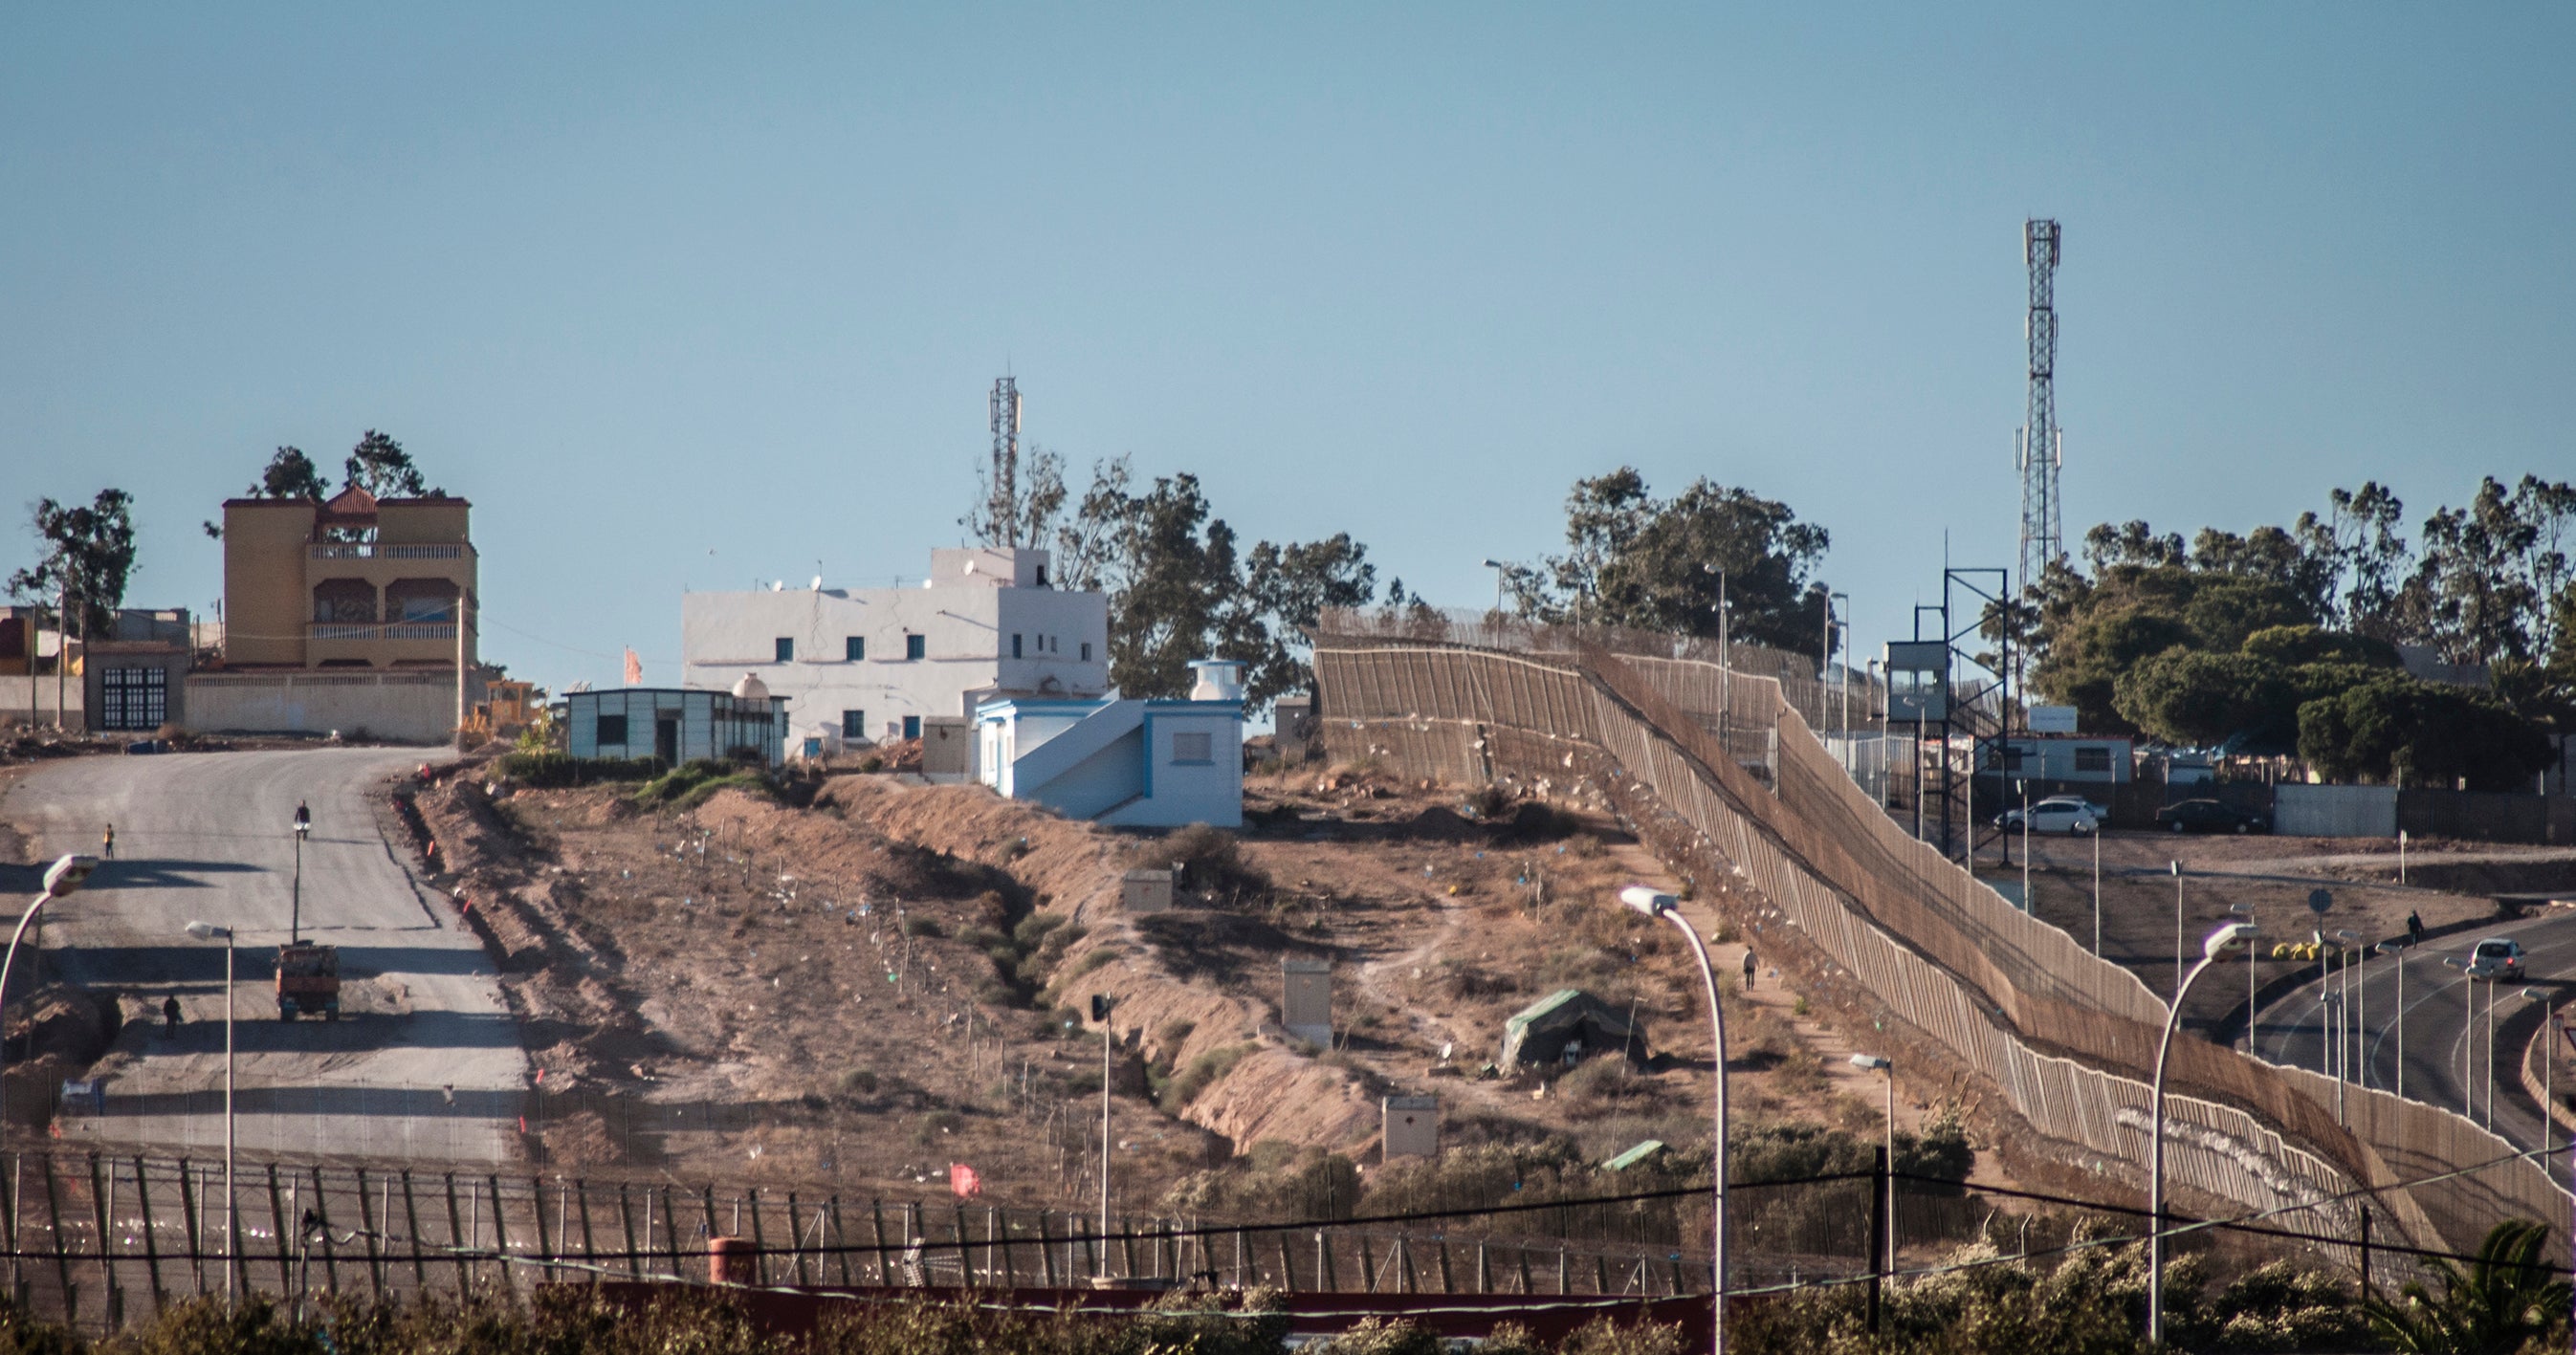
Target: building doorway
<point>666,739</point>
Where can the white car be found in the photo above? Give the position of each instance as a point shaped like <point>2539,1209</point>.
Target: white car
<point>2054,815</point>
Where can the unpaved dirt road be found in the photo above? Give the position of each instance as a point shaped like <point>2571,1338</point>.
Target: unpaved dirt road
<point>425,1061</point>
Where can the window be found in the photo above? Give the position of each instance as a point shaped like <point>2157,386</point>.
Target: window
<point>612,729</point>
<point>854,724</point>
<point>914,647</point>
<point>1192,748</point>
<point>2092,758</point>
<point>1086,651</point>
<point>1015,644</point>
<point>854,648</point>
<point>786,646</point>
<point>912,723</point>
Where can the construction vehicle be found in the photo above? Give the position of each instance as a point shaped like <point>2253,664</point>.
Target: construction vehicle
<point>508,707</point>
<point>308,981</point>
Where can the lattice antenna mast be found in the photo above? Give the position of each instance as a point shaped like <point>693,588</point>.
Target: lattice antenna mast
<point>1004,507</point>
<point>2043,530</point>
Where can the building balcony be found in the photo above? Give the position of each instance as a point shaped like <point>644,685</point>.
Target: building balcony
<point>380,644</point>
<point>372,550</point>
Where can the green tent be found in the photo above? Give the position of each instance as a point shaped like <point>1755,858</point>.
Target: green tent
<point>1569,1019</point>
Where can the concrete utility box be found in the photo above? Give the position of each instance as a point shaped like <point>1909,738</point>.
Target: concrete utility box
<point>1293,720</point>
<point>1306,1007</point>
<point>947,746</point>
<point>1412,1127</point>
<point>1146,891</point>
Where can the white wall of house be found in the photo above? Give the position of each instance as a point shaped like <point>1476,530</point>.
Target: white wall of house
<point>983,626</point>
<point>1134,763</point>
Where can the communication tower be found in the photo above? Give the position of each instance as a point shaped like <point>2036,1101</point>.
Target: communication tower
<point>2040,449</point>
<point>1005,406</point>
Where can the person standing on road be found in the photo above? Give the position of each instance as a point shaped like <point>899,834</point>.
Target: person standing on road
<point>170,1014</point>
<point>2414,928</point>
<point>1748,969</point>
<point>107,841</point>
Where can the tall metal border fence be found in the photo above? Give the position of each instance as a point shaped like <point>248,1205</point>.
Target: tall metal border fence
<point>2067,1040</point>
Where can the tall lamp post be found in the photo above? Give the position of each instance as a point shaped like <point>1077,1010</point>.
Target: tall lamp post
<point>1656,903</point>
<point>2217,945</point>
<point>1100,1005</point>
<point>2253,1042</point>
<point>303,829</point>
<point>2397,951</point>
<point>1498,567</point>
<point>207,931</point>
<point>2468,1023</point>
<point>61,879</point>
<point>1882,1063</point>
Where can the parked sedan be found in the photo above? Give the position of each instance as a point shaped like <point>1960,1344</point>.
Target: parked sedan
<point>2498,958</point>
<point>2052,816</point>
<point>2210,816</point>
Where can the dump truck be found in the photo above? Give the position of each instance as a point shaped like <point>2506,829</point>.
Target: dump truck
<point>308,981</point>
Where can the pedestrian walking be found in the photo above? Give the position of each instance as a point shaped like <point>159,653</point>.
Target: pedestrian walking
<point>2414,928</point>
<point>170,1014</point>
<point>1748,969</point>
<point>107,841</point>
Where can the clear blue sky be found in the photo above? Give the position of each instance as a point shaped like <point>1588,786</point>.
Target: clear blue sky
<point>689,298</point>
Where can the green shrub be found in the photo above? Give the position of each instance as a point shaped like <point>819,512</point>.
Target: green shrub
<point>919,926</point>
<point>551,769</point>
<point>1193,1079</point>
<point>690,784</point>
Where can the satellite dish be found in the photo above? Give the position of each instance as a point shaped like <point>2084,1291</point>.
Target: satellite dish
<point>1445,1047</point>
<point>778,585</point>
<point>818,583</point>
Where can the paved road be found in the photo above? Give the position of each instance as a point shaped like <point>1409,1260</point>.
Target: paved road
<point>425,1061</point>
<point>2448,1058</point>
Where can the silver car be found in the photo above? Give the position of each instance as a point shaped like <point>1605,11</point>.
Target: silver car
<point>2498,958</point>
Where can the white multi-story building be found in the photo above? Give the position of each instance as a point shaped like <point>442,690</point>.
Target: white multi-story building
<point>864,664</point>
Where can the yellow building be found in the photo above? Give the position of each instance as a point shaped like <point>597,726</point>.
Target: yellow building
<point>358,582</point>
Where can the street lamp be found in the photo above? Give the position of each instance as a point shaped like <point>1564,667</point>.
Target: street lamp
<point>61,879</point>
<point>2397,951</point>
<point>303,829</point>
<point>2468,1019</point>
<point>2217,944</point>
<point>2253,1039</point>
<point>1656,903</point>
<point>207,931</point>
<point>1883,1064</point>
<point>1498,567</point>
<point>2356,1001</point>
<point>2548,1065</point>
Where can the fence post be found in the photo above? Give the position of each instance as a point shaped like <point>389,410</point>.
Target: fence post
<point>1127,1243</point>
<point>759,1242</point>
<point>411,1224</point>
<point>54,1230</point>
<point>1447,1285</point>
<point>1484,1269</point>
<point>840,1242</point>
<point>456,1243</point>
<point>626,1224</point>
<point>100,1206</point>
<point>151,1248</point>
<point>589,1241</point>
<point>330,1250</point>
<point>996,1224</point>
<point>1877,1229</point>
<point>1324,1262</point>
<point>2365,1251</point>
<point>195,1227</point>
<point>796,1238</point>
<point>1368,1266</point>
<point>876,1216</point>
<point>1046,1250</point>
<point>536,1206</point>
<point>501,1237</point>
<point>1526,1286</point>
<point>277,1222</point>
<point>367,1225</point>
<point>1287,1265</point>
<point>965,1261</point>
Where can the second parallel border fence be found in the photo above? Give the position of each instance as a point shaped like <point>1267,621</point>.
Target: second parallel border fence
<point>2063,1036</point>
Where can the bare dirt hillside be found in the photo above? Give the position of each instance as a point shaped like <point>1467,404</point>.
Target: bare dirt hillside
<point>894,977</point>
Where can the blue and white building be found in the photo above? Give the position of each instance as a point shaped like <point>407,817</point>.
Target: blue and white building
<point>1146,764</point>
